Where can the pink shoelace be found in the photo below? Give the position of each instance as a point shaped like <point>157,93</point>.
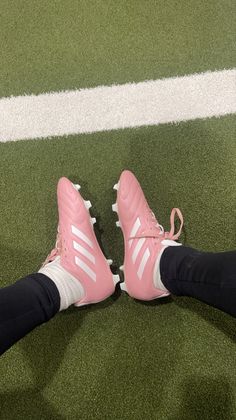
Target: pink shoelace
<point>157,231</point>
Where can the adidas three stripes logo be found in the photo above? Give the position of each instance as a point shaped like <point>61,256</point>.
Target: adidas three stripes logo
<point>137,249</point>
<point>83,251</point>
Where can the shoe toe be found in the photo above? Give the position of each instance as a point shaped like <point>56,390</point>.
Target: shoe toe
<point>66,190</point>
<point>126,183</point>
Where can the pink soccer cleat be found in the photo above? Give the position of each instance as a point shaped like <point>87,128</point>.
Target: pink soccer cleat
<point>144,240</point>
<point>77,246</point>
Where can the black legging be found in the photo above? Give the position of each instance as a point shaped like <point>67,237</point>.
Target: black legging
<point>208,277</point>
<point>24,305</point>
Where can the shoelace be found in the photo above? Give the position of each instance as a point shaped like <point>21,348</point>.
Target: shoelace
<point>157,231</point>
<point>56,250</point>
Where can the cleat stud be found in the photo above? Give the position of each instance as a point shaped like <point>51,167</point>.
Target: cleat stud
<point>116,186</point>
<point>110,262</point>
<point>93,220</point>
<point>118,224</point>
<point>76,186</point>
<point>123,287</point>
<point>87,204</point>
<point>121,268</point>
<point>116,278</point>
<point>115,208</point>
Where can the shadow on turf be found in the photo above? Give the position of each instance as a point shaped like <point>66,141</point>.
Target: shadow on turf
<point>45,348</point>
<point>155,302</point>
<point>220,320</point>
<point>27,404</point>
<point>204,397</point>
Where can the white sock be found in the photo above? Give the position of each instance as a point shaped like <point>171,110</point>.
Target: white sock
<point>69,288</point>
<point>156,272</point>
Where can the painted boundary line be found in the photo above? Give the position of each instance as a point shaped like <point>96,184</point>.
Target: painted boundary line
<point>204,95</point>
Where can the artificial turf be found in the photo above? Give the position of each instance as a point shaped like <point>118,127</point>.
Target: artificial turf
<point>53,45</point>
<point>122,359</point>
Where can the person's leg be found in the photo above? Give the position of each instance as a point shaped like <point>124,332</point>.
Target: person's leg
<point>209,277</point>
<point>24,305</point>
<point>155,265</point>
<point>76,272</point>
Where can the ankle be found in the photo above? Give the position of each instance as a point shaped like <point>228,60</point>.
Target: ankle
<point>70,289</point>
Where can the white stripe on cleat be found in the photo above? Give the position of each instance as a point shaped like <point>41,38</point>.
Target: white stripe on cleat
<point>118,224</point>
<point>110,262</point>
<point>93,220</point>
<point>87,204</point>
<point>116,278</point>
<point>115,208</point>
<point>121,268</point>
<point>123,287</point>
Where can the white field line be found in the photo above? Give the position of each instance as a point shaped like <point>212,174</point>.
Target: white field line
<point>204,95</point>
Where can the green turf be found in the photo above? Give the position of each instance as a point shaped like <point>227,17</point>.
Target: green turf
<point>122,359</point>
<point>57,45</point>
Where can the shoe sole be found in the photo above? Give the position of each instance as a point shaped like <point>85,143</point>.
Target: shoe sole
<point>118,225</point>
